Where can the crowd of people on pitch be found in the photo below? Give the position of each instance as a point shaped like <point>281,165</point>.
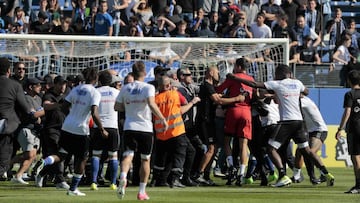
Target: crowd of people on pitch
<point>192,125</point>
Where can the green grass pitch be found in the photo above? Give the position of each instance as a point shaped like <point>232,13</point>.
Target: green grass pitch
<point>301,192</point>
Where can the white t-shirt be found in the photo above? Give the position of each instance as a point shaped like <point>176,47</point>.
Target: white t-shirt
<point>312,116</point>
<point>263,31</point>
<point>107,113</point>
<point>288,94</point>
<point>137,111</point>
<point>344,54</point>
<point>273,116</point>
<point>82,98</point>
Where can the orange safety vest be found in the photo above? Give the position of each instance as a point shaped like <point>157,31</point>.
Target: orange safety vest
<point>169,105</point>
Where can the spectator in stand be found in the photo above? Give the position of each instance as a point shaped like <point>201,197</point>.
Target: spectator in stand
<point>308,54</point>
<point>240,29</point>
<point>64,28</point>
<point>335,27</point>
<point>54,9</point>
<point>215,25</point>
<point>124,55</point>
<point>355,37</point>
<point>143,11</point>
<point>302,31</point>
<point>188,9</point>
<point>163,26</point>
<point>42,26</point>
<point>81,15</point>
<point>251,10</point>
<point>290,8</point>
<point>342,57</point>
<point>229,24</point>
<point>43,6</point>
<point>114,9</point>
<point>19,17</point>
<point>103,24</point>
<point>196,23</point>
<point>313,17</point>
<point>209,6</point>
<point>164,55</point>
<point>205,31</point>
<point>176,17</point>
<point>259,29</point>
<point>282,30</point>
<point>134,23</point>
<point>271,10</point>
<point>181,29</point>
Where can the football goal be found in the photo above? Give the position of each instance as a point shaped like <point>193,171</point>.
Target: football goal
<point>69,55</point>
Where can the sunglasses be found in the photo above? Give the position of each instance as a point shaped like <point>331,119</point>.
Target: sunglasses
<point>187,74</point>
<point>21,68</point>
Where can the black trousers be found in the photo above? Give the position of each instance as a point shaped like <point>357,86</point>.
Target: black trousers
<point>6,148</point>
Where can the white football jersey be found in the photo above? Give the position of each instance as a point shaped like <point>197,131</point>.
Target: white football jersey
<point>82,98</point>
<point>312,116</point>
<point>137,111</point>
<point>108,115</point>
<point>273,116</point>
<point>288,94</point>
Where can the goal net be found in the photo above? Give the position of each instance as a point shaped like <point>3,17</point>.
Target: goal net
<point>69,55</point>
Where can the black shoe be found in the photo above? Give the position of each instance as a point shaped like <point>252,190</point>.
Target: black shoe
<point>239,180</point>
<point>353,190</point>
<point>177,184</point>
<point>161,184</point>
<point>315,181</point>
<point>189,182</point>
<point>299,180</point>
<point>231,175</point>
<point>323,178</point>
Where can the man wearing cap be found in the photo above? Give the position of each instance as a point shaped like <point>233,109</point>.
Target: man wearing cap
<point>28,132</point>
<point>13,97</point>
<point>54,118</point>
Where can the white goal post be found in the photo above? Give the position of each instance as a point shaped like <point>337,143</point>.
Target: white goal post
<point>69,54</point>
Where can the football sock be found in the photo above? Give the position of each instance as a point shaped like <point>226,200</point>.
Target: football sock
<point>323,170</point>
<point>142,187</point>
<point>357,182</point>
<point>269,164</point>
<point>123,175</point>
<point>251,167</point>
<point>49,160</point>
<point>282,173</point>
<point>95,162</point>
<point>229,161</point>
<point>297,172</point>
<point>75,181</point>
<point>242,169</point>
<point>114,165</point>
